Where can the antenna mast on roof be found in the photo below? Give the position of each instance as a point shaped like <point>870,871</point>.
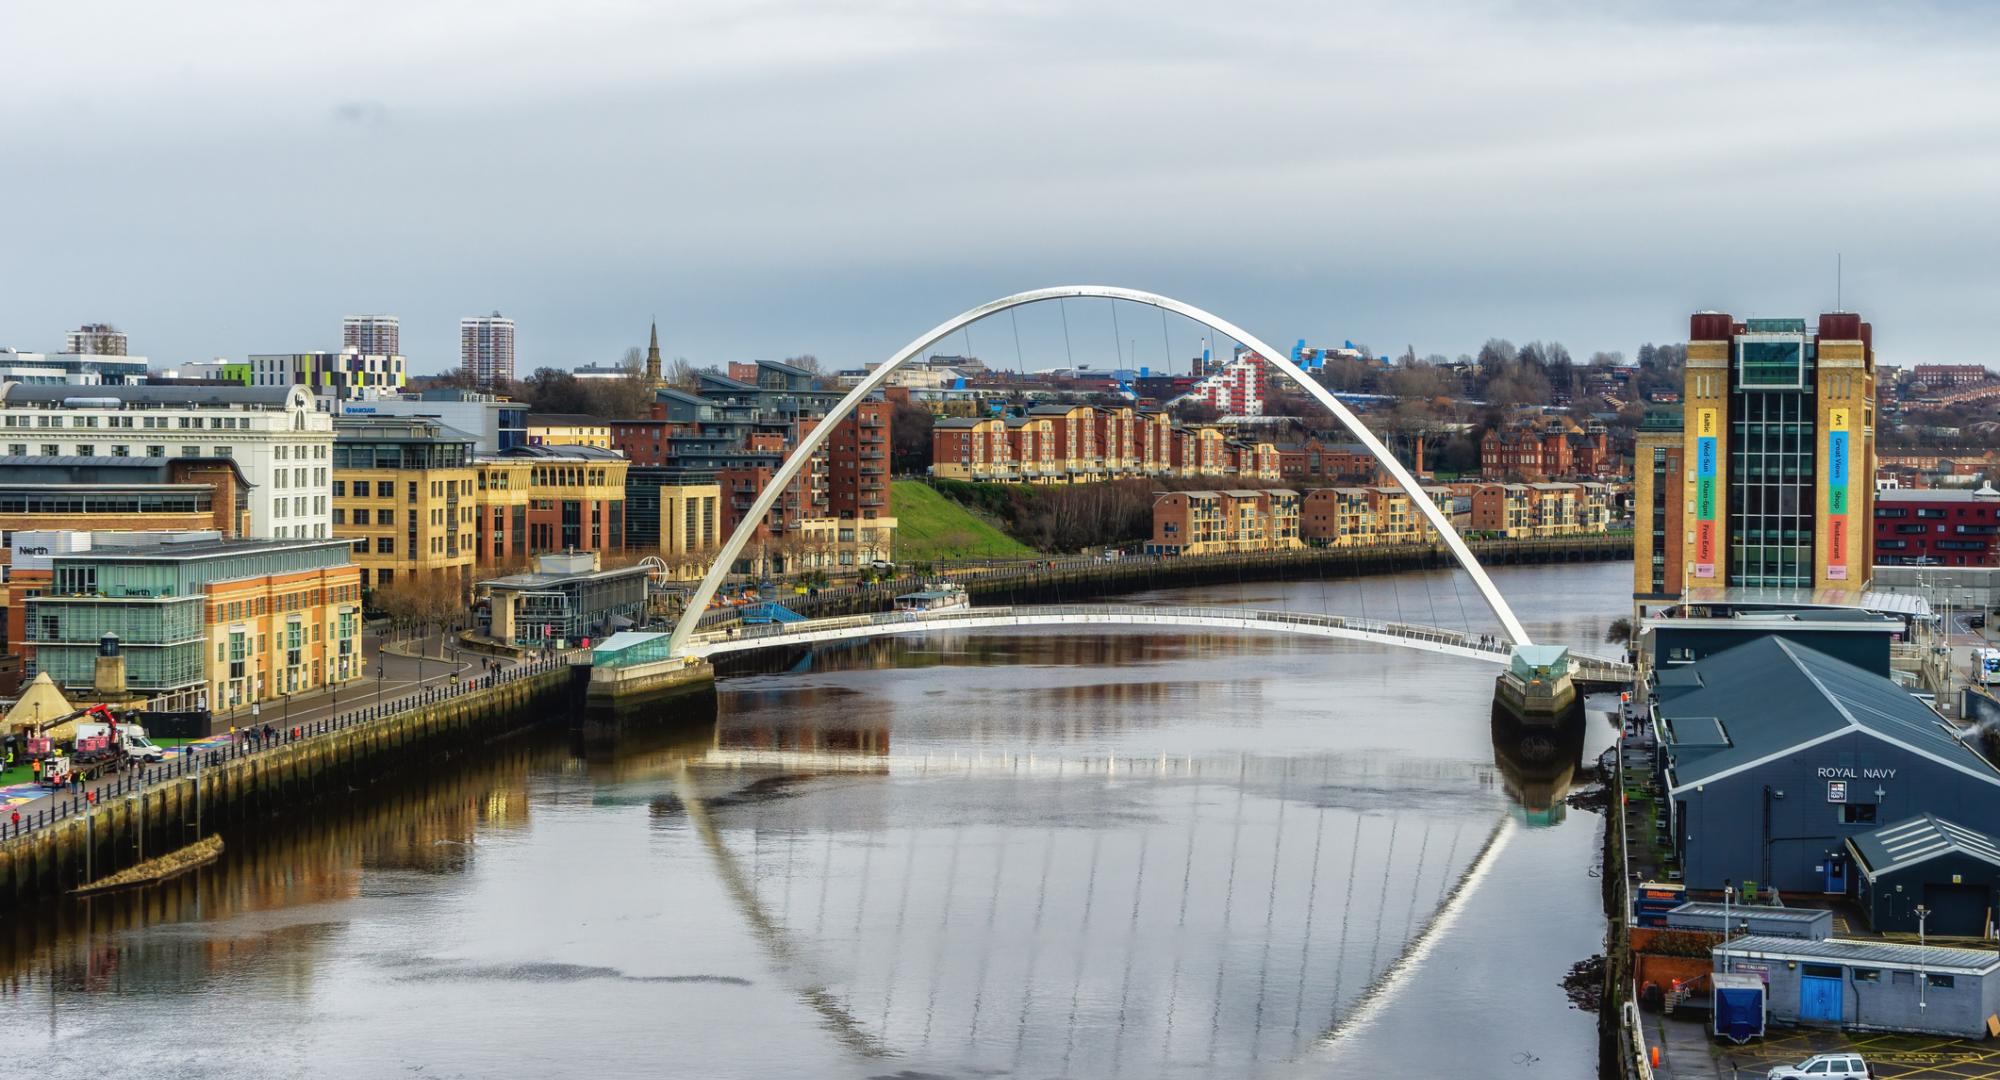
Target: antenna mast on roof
<point>1837,281</point>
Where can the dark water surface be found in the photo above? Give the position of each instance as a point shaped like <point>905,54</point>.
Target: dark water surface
<point>1021,854</point>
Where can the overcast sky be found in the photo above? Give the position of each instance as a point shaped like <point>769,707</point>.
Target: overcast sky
<point>222,177</point>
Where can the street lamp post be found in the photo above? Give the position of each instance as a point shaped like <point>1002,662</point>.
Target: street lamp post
<point>1728,894</point>
<point>1923,977</point>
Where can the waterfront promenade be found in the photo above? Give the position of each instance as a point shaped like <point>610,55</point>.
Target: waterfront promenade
<point>406,683</point>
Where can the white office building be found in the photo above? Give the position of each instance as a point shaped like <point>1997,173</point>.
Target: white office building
<point>332,377</point>
<point>276,435</point>
<point>372,335</point>
<point>71,369</point>
<point>486,349</point>
<point>495,423</point>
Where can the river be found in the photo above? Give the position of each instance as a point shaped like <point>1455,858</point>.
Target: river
<point>1029,854</point>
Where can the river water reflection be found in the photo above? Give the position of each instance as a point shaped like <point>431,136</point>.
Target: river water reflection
<point>1026,854</point>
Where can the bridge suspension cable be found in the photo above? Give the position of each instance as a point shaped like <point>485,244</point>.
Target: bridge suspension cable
<point>802,455</point>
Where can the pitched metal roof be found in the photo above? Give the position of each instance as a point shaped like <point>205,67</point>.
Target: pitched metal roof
<point>1772,696</point>
<point>554,452</point>
<point>72,471</point>
<point>1864,954</point>
<point>1893,603</point>
<point>229,394</point>
<point>1761,912</point>
<point>1920,839</point>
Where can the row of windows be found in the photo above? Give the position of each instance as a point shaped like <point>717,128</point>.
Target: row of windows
<point>238,610</point>
<point>148,423</point>
<point>288,477</point>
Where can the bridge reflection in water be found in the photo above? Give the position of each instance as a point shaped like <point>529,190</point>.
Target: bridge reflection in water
<point>978,911</point>
<point>1045,914</point>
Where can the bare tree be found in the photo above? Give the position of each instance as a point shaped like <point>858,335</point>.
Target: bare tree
<point>629,398</point>
<point>680,374</point>
<point>805,362</point>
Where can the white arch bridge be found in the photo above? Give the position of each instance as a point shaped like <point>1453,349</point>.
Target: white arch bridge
<point>1434,639</point>
<point>686,643</point>
<point>753,519</point>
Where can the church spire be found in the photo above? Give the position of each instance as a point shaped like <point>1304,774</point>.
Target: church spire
<point>653,356</point>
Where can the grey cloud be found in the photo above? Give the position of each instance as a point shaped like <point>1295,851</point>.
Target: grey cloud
<point>367,114</point>
<point>784,177</point>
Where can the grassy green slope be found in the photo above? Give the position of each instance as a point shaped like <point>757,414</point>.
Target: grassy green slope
<point>930,526</point>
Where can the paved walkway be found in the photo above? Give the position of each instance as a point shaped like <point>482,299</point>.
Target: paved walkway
<point>398,677</point>
<point>1687,1052</point>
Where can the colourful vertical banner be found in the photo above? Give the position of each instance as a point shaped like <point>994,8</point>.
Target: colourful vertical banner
<point>1705,481</point>
<point>1836,493</point>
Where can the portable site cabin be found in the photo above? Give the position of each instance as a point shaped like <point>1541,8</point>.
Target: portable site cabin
<point>1741,1006</point>
<point>1870,985</point>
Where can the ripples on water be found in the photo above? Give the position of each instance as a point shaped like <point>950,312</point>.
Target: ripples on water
<point>1039,854</point>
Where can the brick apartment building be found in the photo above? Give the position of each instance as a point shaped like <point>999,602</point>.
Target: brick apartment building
<point>1360,516</point>
<point>1331,463</point>
<point>1069,443</point>
<point>1937,527</point>
<point>1541,509</point>
<point>1213,522</point>
<point>1546,447</point>
<point>1948,376</point>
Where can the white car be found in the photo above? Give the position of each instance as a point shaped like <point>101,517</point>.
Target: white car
<point>1824,1067</point>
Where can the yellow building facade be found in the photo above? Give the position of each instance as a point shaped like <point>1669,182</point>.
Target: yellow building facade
<point>534,499</point>
<point>404,497</point>
<point>568,429</point>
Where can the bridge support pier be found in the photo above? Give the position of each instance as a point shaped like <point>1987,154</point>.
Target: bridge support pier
<point>1538,685</point>
<point>671,693</point>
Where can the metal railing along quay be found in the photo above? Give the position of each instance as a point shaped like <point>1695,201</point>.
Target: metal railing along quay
<point>252,741</point>
<point>1098,612</point>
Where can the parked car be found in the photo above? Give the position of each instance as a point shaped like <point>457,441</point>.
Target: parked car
<point>1825,1067</point>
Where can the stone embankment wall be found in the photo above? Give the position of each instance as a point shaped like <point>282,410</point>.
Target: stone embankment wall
<point>240,790</point>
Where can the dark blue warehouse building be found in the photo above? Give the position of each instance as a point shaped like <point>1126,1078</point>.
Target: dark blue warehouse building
<point>1774,754</point>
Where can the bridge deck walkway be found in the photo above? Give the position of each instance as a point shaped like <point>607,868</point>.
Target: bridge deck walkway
<point>1405,634</point>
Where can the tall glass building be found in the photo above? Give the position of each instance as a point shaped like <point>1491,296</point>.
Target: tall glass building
<point>1774,463</point>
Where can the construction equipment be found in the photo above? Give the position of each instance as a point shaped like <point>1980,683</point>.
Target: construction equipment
<point>100,747</point>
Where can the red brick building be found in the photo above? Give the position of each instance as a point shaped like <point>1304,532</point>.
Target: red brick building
<point>858,463</point>
<point>1547,447</point>
<point>1329,462</point>
<point>1937,527</point>
<point>645,442</point>
<point>1949,376</point>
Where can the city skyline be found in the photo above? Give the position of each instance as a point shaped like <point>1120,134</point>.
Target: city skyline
<point>805,181</point>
